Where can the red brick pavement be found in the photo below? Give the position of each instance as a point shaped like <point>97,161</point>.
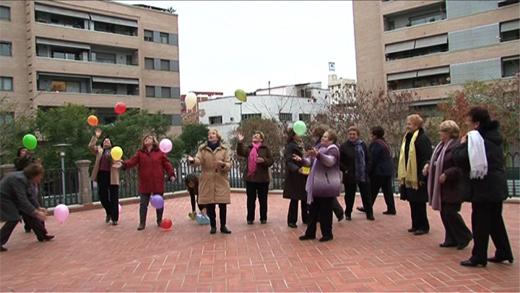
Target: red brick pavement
<point>89,255</point>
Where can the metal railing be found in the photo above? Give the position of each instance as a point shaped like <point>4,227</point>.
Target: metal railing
<point>51,190</point>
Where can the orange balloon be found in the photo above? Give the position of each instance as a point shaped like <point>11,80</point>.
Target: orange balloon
<point>92,120</point>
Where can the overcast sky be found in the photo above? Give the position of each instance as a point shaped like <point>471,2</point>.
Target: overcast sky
<point>243,44</point>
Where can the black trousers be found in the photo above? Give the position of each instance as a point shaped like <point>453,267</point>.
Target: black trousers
<point>419,216</point>
<point>350,196</point>
<point>35,224</point>
<point>337,208</point>
<point>254,189</point>
<point>143,209</point>
<point>108,195</point>
<point>213,215</point>
<point>486,220</point>
<point>456,230</point>
<point>384,183</point>
<point>194,198</point>
<point>320,211</point>
<point>292,215</point>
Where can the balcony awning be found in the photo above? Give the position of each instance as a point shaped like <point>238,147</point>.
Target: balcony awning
<point>433,71</point>
<point>431,41</point>
<point>402,75</point>
<point>60,11</point>
<point>115,80</point>
<point>113,20</point>
<point>510,26</point>
<point>50,42</point>
<point>399,47</point>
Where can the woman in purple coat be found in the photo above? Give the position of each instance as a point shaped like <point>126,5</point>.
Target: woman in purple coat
<point>323,186</point>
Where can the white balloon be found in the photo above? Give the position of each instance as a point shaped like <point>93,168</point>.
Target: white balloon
<point>191,100</point>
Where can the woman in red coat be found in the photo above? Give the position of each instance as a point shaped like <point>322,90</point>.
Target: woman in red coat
<point>152,164</point>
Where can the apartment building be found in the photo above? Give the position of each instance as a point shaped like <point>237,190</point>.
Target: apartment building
<point>93,53</point>
<point>434,47</point>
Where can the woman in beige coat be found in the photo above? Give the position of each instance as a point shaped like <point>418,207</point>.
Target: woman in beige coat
<point>214,159</point>
<point>106,174</point>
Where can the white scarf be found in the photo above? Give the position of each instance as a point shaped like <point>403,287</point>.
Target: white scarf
<point>477,155</point>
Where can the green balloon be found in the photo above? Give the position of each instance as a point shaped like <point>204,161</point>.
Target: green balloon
<point>241,95</point>
<point>300,128</point>
<point>29,141</point>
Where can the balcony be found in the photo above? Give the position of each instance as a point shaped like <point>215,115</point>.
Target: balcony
<point>417,16</point>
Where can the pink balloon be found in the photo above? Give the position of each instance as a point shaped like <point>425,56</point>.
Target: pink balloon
<point>165,145</point>
<point>119,208</point>
<point>61,213</point>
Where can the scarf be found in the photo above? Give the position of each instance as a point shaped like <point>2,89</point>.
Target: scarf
<point>434,172</point>
<point>213,145</point>
<point>361,167</point>
<point>251,161</point>
<point>477,155</point>
<point>407,172</point>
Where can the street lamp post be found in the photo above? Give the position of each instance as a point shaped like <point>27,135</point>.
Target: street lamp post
<point>240,103</point>
<point>61,148</point>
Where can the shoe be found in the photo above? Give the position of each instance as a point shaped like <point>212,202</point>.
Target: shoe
<point>325,239</point>
<point>389,213</point>
<point>2,249</point>
<point>46,238</point>
<point>370,217</point>
<point>420,232</point>
<point>348,217</point>
<point>114,223</point>
<point>213,230</point>
<point>250,222</point>
<point>412,230</point>
<point>107,219</point>
<point>159,223</point>
<point>263,222</point>
<point>361,209</point>
<point>444,244</point>
<point>225,230</point>
<point>191,216</point>
<point>463,245</point>
<point>140,227</point>
<point>341,217</point>
<point>292,225</point>
<point>472,263</point>
<point>306,237</point>
<point>495,259</point>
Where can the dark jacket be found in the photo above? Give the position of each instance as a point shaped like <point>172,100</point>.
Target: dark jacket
<point>294,184</point>
<point>262,170</point>
<point>493,187</point>
<point>152,166</point>
<point>452,190</point>
<point>21,162</point>
<point>381,162</point>
<point>347,160</point>
<point>423,153</point>
<point>15,191</point>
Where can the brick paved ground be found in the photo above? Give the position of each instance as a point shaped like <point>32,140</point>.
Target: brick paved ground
<point>88,255</point>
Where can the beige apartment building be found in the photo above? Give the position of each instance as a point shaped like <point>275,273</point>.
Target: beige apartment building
<point>433,47</point>
<point>93,53</point>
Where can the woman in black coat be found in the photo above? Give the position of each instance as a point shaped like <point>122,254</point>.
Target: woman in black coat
<point>487,190</point>
<point>295,179</point>
<point>410,172</point>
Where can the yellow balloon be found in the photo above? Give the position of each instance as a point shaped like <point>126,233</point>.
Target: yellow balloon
<point>241,95</point>
<point>116,153</point>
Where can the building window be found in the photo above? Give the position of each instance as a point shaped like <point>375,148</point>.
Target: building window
<point>421,15</point>
<point>165,38</point>
<point>5,13</point>
<point>166,92</point>
<point>6,118</point>
<point>148,63</point>
<point>65,55</point>
<point>105,57</point>
<point>150,91</point>
<point>304,117</point>
<point>6,83</point>
<point>215,120</point>
<point>251,116</point>
<point>165,65</point>
<point>510,66</point>
<point>510,30</point>
<point>418,47</point>
<point>285,117</point>
<point>507,2</point>
<point>5,49</point>
<point>419,78</point>
<point>148,36</point>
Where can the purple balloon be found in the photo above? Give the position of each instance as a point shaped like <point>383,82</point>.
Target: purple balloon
<point>165,145</point>
<point>157,201</point>
<point>61,213</point>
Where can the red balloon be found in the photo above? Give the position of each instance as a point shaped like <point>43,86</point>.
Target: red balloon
<point>166,224</point>
<point>120,108</point>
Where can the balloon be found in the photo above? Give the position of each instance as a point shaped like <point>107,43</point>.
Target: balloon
<point>119,208</point>
<point>92,120</point>
<point>116,153</point>
<point>165,145</point>
<point>202,219</point>
<point>120,108</point>
<point>166,224</point>
<point>61,213</point>
<point>157,201</point>
<point>241,95</point>
<point>190,100</point>
<point>300,128</point>
<point>30,141</point>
